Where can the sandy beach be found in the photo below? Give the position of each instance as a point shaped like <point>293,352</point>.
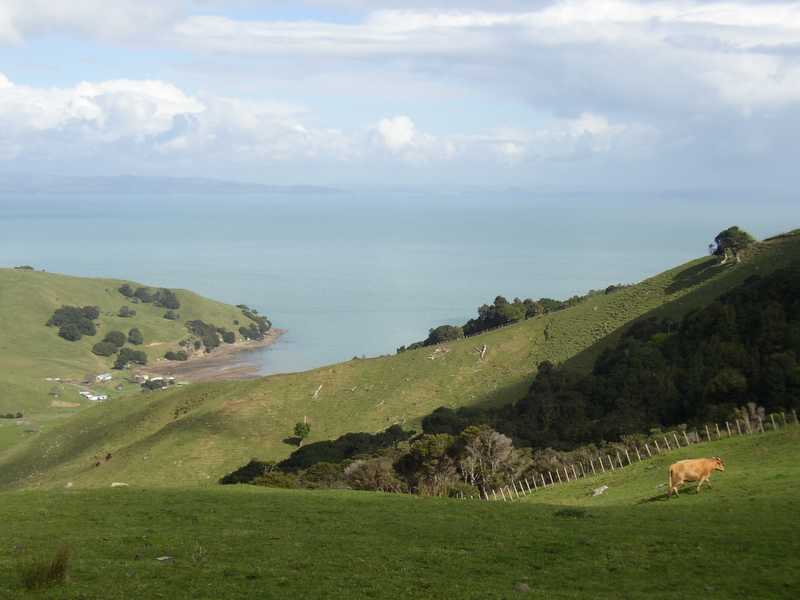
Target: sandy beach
<point>228,361</point>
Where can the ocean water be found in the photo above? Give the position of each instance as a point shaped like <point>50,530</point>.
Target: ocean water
<point>361,273</point>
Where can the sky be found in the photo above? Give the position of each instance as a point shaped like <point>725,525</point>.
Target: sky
<point>565,94</point>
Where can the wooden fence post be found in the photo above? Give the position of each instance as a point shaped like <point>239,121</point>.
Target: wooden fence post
<point>628,456</point>
<point>646,447</point>
<point>602,466</point>
<point>794,414</point>
<point>675,437</point>
<point>738,427</point>
<point>494,493</point>
<point>708,435</point>
<point>558,474</point>
<point>685,437</point>
<point>772,418</point>
<point>574,472</point>
<point>717,427</point>
<point>591,464</point>
<point>783,416</point>
<point>528,485</point>
<point>514,483</point>
<point>728,426</point>
<point>749,426</point>
<point>760,424</point>
<point>611,462</point>
<point>619,460</point>
<point>502,493</point>
<point>638,455</point>
<point>666,441</point>
<point>657,448</point>
<point>550,474</point>
<point>544,485</point>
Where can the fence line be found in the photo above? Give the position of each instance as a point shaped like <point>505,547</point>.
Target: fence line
<point>582,472</point>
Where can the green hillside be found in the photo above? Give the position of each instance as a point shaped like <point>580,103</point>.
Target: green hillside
<point>196,434</point>
<point>30,352</point>
<point>738,539</point>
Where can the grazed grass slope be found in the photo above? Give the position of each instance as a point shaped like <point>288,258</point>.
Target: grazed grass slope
<point>739,539</point>
<point>197,434</point>
<point>31,352</point>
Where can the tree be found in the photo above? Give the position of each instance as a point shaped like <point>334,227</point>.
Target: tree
<point>115,337</point>
<point>104,349</point>
<point>126,312</point>
<point>171,315</point>
<point>166,299</point>
<point>126,290</point>
<point>70,332</point>
<point>135,337</point>
<point>180,355</point>
<point>301,431</point>
<point>126,355</point>
<point>731,242</point>
<point>228,337</point>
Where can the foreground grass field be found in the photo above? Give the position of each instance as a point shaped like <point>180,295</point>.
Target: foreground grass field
<point>194,435</point>
<point>739,539</point>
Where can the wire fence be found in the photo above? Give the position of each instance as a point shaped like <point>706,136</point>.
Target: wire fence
<point>627,456</point>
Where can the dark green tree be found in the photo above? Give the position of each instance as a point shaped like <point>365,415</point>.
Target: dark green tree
<point>135,337</point>
<point>731,242</point>
<point>115,337</point>
<point>301,431</point>
<point>105,349</point>
<point>70,332</point>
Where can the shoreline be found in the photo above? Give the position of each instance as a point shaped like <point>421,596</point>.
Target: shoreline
<point>225,362</point>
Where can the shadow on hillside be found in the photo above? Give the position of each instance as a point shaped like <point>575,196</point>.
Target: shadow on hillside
<point>694,275</point>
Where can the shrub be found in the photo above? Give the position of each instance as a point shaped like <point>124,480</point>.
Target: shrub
<point>156,384</point>
<point>23,268</point>
<point>180,355</point>
<point>105,349</point>
<point>126,290</point>
<point>376,474</point>
<point>39,573</point>
<point>90,312</point>
<point>135,337</point>
<point>228,337</point>
<point>126,312</point>
<point>70,332</point>
<point>171,315</point>
<point>248,473</point>
<point>115,337</point>
<point>324,475</point>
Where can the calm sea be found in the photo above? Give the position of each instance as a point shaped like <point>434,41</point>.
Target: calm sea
<point>352,274</point>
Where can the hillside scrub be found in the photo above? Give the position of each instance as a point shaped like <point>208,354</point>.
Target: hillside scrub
<point>105,349</point>
<point>135,337</point>
<point>741,349</point>
<point>127,356</point>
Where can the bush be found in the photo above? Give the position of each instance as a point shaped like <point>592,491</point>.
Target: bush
<point>126,312</point>
<point>171,315</point>
<point>180,355</point>
<point>135,337</point>
<point>126,290</point>
<point>324,475</point>
<point>39,573</point>
<point>248,473</point>
<point>376,474</point>
<point>228,337</point>
<point>90,312</point>
<point>70,332</point>
<point>115,337</point>
<point>126,355</point>
<point>105,349</point>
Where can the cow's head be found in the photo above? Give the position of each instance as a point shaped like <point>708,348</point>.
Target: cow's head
<point>719,465</point>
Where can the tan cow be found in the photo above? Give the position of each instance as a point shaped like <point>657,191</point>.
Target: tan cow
<point>693,469</point>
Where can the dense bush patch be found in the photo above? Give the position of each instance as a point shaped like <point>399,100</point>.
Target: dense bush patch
<point>105,349</point>
<point>74,322</point>
<point>127,356</point>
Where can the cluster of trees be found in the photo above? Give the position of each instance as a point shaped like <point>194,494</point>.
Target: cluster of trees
<point>74,322</point>
<point>502,312</point>
<point>180,355</point>
<point>127,356</point>
<point>114,340</point>
<point>126,312</point>
<point>730,243</point>
<point>17,415</point>
<point>258,327</point>
<point>171,315</point>
<point>209,335</point>
<point>163,297</point>
<point>742,349</point>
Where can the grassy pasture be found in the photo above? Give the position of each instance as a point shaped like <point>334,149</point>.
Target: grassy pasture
<point>194,435</point>
<point>737,539</point>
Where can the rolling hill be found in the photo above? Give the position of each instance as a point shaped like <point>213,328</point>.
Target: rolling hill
<point>193,435</point>
<point>31,353</point>
<point>736,539</point>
